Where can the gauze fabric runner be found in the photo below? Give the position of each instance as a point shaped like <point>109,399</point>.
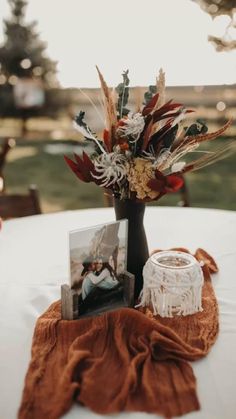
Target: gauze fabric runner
<point>125,360</point>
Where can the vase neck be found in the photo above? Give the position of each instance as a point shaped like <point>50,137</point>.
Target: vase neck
<point>130,209</point>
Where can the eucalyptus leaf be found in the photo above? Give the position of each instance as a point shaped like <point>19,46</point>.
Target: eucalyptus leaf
<point>123,95</point>
<point>125,111</point>
<point>152,90</point>
<point>199,127</point>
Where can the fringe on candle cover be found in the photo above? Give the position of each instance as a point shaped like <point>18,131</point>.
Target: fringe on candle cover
<point>163,303</point>
<point>169,291</point>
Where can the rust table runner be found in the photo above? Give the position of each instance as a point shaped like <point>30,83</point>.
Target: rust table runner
<point>125,360</point>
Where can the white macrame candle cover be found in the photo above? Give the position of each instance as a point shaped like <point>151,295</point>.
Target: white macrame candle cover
<point>172,284</point>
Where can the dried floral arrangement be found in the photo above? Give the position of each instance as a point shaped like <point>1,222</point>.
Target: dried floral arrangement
<point>141,154</point>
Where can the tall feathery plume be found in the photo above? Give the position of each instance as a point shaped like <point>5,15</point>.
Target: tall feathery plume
<point>138,98</point>
<point>114,100</point>
<point>92,103</point>
<point>161,89</point>
<point>109,106</point>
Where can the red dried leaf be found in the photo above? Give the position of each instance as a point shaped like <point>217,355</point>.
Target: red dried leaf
<point>173,183</point>
<point>84,167</point>
<point>150,105</point>
<point>78,159</point>
<point>165,184</point>
<point>169,115</point>
<point>87,161</point>
<point>164,109</point>
<point>71,163</point>
<point>107,140</point>
<point>147,134</point>
<point>81,167</point>
<point>156,185</point>
<point>74,167</point>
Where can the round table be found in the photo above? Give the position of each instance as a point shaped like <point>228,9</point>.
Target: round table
<point>34,262</point>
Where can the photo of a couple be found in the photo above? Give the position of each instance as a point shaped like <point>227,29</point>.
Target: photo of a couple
<point>97,258</point>
<point>97,273</point>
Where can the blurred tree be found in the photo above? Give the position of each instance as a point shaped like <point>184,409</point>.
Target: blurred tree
<point>217,8</point>
<point>23,53</point>
<point>28,83</point>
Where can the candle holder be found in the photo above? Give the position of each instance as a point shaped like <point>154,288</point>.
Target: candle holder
<point>173,283</point>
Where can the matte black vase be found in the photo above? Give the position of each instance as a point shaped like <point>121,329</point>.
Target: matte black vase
<point>137,241</point>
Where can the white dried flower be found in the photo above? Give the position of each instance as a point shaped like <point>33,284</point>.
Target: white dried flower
<point>87,133</point>
<point>163,160</point>
<point>180,117</point>
<point>110,168</point>
<point>178,167</point>
<point>168,159</point>
<point>133,126</point>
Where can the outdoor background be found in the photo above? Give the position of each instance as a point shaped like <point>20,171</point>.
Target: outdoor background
<point>55,50</point>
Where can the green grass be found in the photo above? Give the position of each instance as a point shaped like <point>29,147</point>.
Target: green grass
<point>212,187</point>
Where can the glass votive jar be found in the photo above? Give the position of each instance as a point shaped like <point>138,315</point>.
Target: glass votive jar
<point>172,284</point>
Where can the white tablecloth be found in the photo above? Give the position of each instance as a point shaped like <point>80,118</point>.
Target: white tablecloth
<point>34,262</point>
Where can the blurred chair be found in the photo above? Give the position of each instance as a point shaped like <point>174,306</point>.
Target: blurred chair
<point>107,199</point>
<point>16,205</point>
<point>184,195</point>
<point>8,144</point>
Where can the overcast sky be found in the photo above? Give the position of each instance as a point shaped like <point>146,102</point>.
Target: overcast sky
<point>135,34</point>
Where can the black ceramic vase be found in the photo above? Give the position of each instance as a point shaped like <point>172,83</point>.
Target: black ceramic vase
<point>137,241</point>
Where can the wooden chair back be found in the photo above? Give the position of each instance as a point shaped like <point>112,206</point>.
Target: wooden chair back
<point>16,205</point>
<point>107,199</point>
<point>184,195</point>
<point>8,144</point>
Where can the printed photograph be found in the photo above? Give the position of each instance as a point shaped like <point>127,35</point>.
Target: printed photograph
<point>98,257</point>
